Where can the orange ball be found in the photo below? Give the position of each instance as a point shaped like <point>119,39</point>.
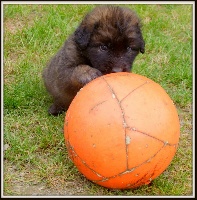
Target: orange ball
<point>122,130</point>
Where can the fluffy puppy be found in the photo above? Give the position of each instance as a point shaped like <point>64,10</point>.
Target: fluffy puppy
<point>107,41</point>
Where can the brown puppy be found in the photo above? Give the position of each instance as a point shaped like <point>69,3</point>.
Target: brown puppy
<point>107,41</point>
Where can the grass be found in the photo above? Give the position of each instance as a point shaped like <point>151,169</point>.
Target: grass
<point>35,159</point>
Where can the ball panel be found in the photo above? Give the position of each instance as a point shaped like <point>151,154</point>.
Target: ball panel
<point>82,166</point>
<point>141,148</point>
<point>123,84</point>
<point>144,173</point>
<point>162,160</point>
<point>152,113</point>
<point>90,96</point>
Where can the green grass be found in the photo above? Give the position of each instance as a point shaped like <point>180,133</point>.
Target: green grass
<point>36,153</point>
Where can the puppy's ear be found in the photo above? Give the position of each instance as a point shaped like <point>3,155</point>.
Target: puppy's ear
<point>82,36</point>
<point>142,47</point>
<point>142,42</point>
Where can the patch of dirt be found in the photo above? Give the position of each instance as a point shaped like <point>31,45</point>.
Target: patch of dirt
<point>23,183</point>
<point>42,190</point>
<point>13,25</point>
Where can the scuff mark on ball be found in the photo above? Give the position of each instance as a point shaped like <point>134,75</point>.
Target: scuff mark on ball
<point>128,140</point>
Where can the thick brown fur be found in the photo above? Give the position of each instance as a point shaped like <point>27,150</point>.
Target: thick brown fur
<point>107,41</point>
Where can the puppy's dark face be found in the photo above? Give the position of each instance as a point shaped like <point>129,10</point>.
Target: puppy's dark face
<point>110,38</point>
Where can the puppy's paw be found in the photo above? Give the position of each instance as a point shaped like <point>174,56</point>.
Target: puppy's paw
<point>90,75</point>
<point>83,74</point>
<point>55,110</point>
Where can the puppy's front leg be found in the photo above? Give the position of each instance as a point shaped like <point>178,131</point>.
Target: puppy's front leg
<point>83,74</point>
<point>68,84</point>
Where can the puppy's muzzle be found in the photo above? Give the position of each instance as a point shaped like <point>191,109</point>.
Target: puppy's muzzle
<point>119,69</point>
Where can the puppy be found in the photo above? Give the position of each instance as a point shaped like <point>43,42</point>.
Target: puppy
<point>107,41</point>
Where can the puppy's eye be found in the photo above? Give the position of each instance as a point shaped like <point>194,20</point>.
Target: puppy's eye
<point>103,47</point>
<point>131,49</point>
